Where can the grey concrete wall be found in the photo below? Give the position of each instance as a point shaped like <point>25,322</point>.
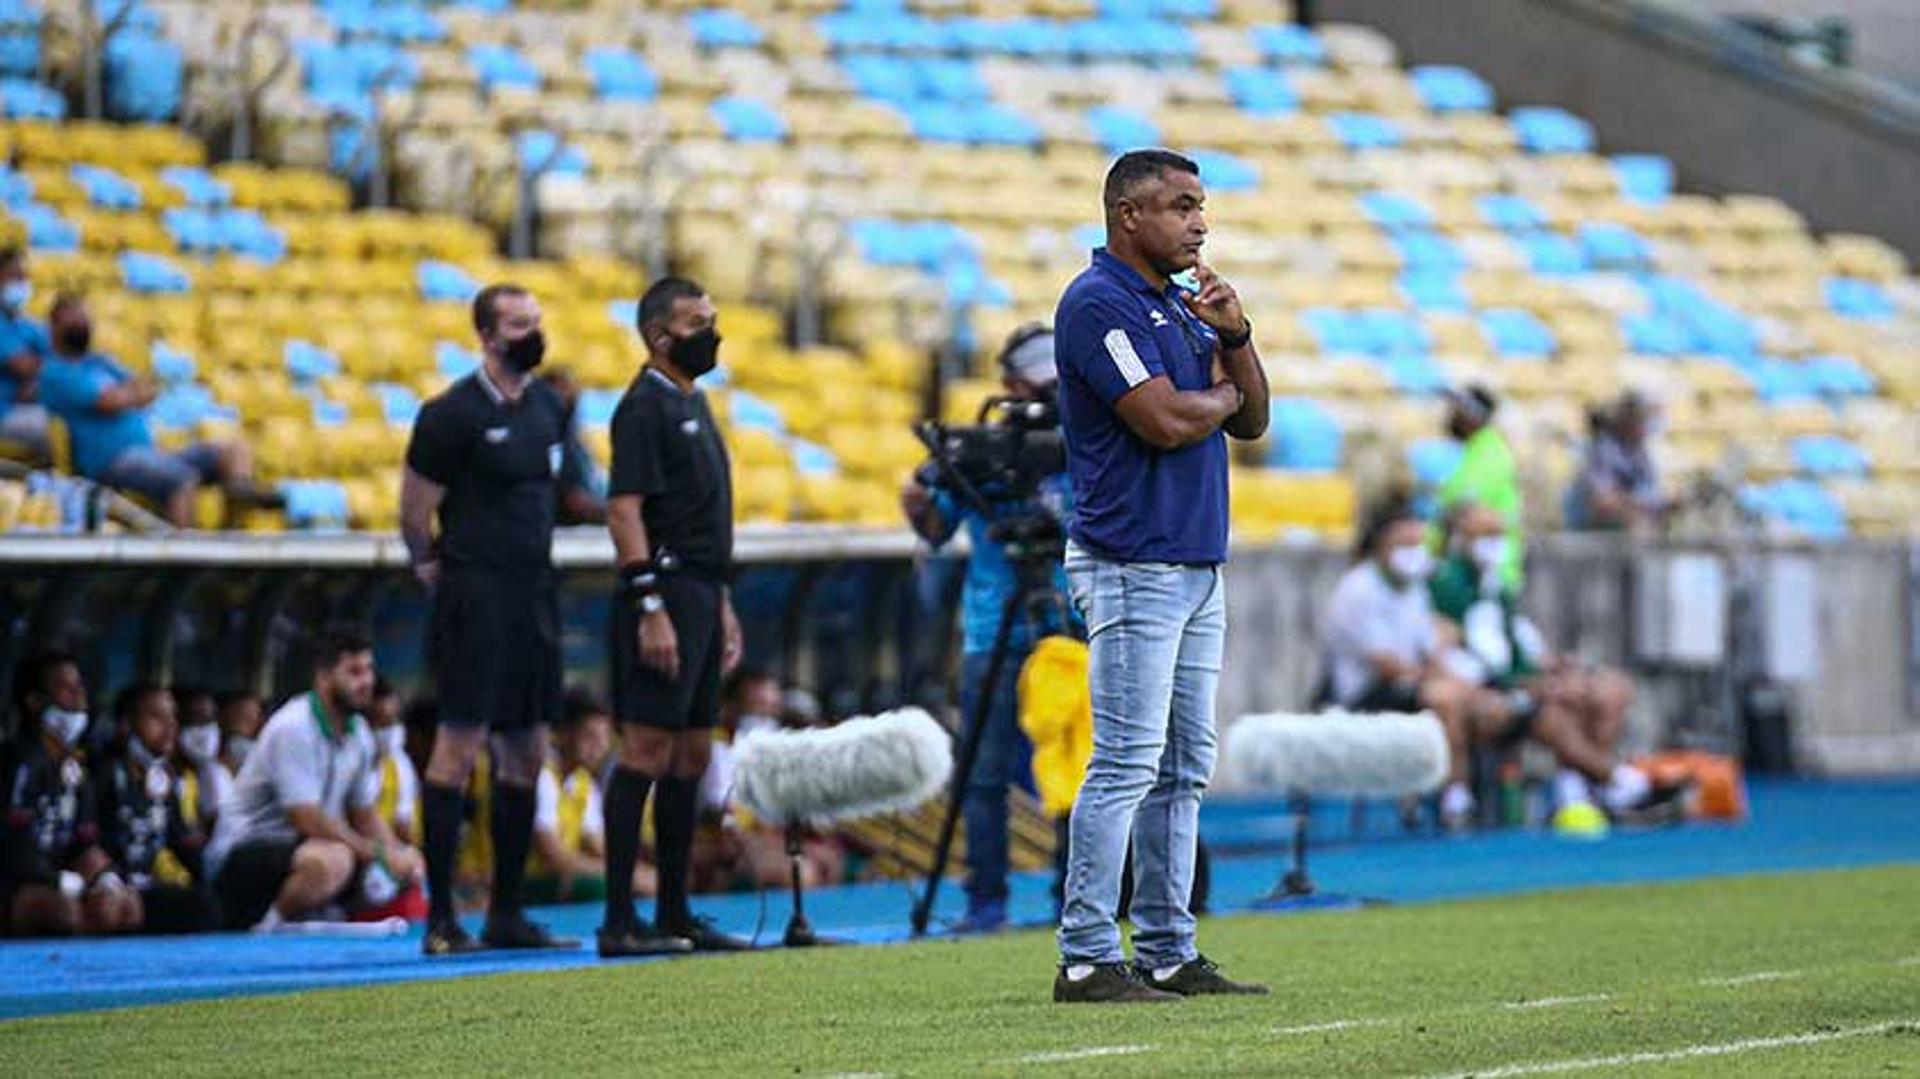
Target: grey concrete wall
<point>1854,715</point>
<point>1843,150</point>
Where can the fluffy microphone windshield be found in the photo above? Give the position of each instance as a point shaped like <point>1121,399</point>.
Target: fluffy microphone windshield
<point>860,768</point>
<point>1335,753</point>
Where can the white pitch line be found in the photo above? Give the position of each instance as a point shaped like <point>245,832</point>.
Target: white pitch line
<point>1751,979</point>
<point>1064,1055</point>
<point>1909,961</point>
<point>1555,1002</point>
<point>1326,1028</point>
<point>1691,1052</point>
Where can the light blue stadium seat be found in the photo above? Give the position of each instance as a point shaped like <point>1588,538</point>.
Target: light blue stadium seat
<point>596,407</point>
<point>1433,460</point>
<point>620,75</point>
<point>1551,254</point>
<point>307,361</point>
<point>46,229</point>
<point>145,76</point>
<point>1802,504</point>
<point>1222,171</point>
<point>183,405</point>
<point>106,188</point>
<point>1288,43</point>
<point>315,504</point>
<point>1655,334</point>
<point>1777,381</point>
<point>1830,457</point>
<point>142,272</point>
<point>20,29</point>
<point>1262,91</point>
<point>750,413</point>
<point>1391,211</point>
<point>1415,376</point>
<point>1422,250</point>
<point>170,365</point>
<point>453,360</point>
<point>1840,376</point>
<point>399,405</point>
<point>1452,89</point>
<point>443,281</point>
<point>1608,246</point>
<point>325,411</point>
<point>811,459</point>
<point>623,312</point>
<point>1433,290</point>
<point>16,189</point>
<point>1515,333</point>
<point>720,28</point>
<point>1856,298</point>
<point>1544,129</point>
<point>1511,213</point>
<point>24,99</point>
<point>197,185</point>
<point>956,81</point>
<point>536,149</point>
<point>399,22</point>
<point>1644,178</point>
<point>1305,438</point>
<point>1364,130</point>
<point>502,66</point>
<point>746,120</point>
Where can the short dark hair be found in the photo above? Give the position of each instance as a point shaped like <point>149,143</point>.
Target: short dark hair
<point>1136,167</point>
<point>338,641</point>
<point>33,672</point>
<point>64,300</point>
<point>656,305</point>
<point>127,701</point>
<point>735,687</point>
<point>485,314</point>
<point>383,688</point>
<point>1379,523</point>
<point>578,706</point>
<point>11,254</point>
<point>237,696</point>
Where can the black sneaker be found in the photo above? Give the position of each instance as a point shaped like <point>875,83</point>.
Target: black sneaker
<point>448,938</point>
<point>516,932</point>
<point>638,939</point>
<point>1107,983</point>
<point>704,936</point>
<point>1200,977</point>
<point>1664,803</point>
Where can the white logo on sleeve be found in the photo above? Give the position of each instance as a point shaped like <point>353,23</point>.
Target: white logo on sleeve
<point>1120,348</point>
<point>496,435</point>
<point>553,459</point>
<point>1158,318</point>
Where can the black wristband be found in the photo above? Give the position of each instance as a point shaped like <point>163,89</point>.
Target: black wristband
<point>638,580</point>
<point>1230,343</point>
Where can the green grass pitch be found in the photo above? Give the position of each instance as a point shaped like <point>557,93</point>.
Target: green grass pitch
<point>1796,975</point>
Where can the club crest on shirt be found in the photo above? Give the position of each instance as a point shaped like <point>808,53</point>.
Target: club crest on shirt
<point>496,435</point>
<point>690,426</point>
<point>1159,319</point>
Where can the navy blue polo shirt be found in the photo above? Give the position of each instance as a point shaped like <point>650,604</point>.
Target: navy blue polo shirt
<point>1134,503</point>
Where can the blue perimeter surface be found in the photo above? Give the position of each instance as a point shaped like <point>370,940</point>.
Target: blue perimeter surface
<point>1794,826</point>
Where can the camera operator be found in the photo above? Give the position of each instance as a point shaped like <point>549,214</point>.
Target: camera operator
<point>1027,373</point>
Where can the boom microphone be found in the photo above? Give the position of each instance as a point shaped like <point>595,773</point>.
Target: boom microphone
<point>860,768</point>
<point>1335,753</point>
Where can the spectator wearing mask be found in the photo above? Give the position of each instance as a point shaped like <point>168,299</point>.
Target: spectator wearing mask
<point>583,492</point>
<point>105,408</point>
<point>1582,713</point>
<point>399,779</point>
<point>55,877</point>
<point>1618,488</point>
<point>300,833</point>
<point>735,849</point>
<point>1383,651</point>
<point>142,828</point>
<point>936,513</point>
<point>1486,473</point>
<point>24,348</point>
<point>202,780</point>
<point>241,717</point>
<point>751,701</point>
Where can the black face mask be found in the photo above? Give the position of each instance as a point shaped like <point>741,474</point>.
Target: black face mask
<point>76,339</point>
<point>696,354</point>
<point>525,354</point>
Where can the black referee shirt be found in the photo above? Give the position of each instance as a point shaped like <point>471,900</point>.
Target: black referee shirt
<point>667,450</point>
<point>500,462</point>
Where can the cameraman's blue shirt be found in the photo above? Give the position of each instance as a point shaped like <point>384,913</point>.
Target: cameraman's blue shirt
<point>1132,502</point>
<point>990,577</point>
<point>18,334</point>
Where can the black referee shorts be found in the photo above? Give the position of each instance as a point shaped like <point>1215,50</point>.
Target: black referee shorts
<point>645,696</point>
<point>496,649</point>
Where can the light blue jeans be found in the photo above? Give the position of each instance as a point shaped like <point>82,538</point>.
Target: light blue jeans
<point>1156,632</point>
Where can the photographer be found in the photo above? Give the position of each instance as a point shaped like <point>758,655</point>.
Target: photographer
<point>1027,373</point>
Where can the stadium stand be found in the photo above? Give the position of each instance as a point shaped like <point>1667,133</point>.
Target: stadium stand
<point>927,174</point>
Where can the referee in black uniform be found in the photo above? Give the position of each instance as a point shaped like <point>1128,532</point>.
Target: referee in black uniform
<point>674,634</point>
<point>487,455</point>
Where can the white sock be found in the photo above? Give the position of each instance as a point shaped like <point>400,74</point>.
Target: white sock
<point>270,921</point>
<point>1456,800</point>
<point>1626,787</point>
<point>1570,788</point>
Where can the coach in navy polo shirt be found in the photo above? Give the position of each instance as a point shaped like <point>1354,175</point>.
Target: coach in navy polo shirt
<point>1153,377</point>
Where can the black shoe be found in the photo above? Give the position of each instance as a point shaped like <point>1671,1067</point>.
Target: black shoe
<point>1664,803</point>
<point>448,938</point>
<point>1200,977</point>
<point>639,939</point>
<point>516,932</point>
<point>704,936</point>
<point>1108,983</point>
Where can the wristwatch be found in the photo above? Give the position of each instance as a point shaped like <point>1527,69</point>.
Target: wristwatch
<point>651,603</point>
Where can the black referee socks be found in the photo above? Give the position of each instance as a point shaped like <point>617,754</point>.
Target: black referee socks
<point>442,807</point>
<point>621,811</point>
<point>673,820</point>
<point>512,838</point>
